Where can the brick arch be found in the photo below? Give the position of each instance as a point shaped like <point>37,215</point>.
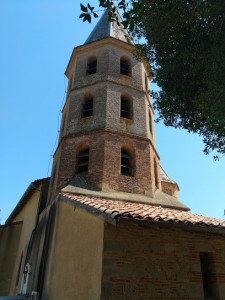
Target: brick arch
<point>92,63</point>
<point>87,105</point>
<point>126,106</point>
<point>82,148</point>
<point>130,150</point>
<point>125,65</point>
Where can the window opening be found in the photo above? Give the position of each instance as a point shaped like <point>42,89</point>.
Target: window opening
<point>82,161</point>
<point>92,66</point>
<point>206,274</point>
<point>126,109</point>
<point>150,122</point>
<point>156,175</point>
<point>126,163</point>
<point>87,108</point>
<point>146,83</point>
<point>125,67</point>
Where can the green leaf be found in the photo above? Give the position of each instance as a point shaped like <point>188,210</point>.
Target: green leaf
<point>95,15</point>
<point>88,18</point>
<point>81,16</point>
<point>83,8</point>
<point>90,7</point>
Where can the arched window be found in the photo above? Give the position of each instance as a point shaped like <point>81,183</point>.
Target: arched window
<point>82,161</point>
<point>125,68</point>
<point>126,163</point>
<point>87,108</point>
<point>126,110</point>
<point>92,65</point>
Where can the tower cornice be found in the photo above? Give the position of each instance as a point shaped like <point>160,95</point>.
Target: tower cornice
<point>110,81</point>
<point>105,130</point>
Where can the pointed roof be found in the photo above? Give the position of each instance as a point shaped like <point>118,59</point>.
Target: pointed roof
<point>104,28</point>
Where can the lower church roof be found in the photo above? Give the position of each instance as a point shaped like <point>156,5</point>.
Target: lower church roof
<point>113,211</point>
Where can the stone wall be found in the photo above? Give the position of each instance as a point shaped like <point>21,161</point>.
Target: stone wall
<point>158,263</point>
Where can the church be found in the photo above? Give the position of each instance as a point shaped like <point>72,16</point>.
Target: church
<point>108,224</point>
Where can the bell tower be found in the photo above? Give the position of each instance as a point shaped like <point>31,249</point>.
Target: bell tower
<point>107,136</point>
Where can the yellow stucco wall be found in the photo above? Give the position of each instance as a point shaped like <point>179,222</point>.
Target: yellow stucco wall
<point>74,267</point>
<point>9,240</point>
<point>28,216</point>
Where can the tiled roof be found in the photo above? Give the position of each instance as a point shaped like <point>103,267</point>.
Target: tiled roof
<point>116,210</point>
<point>104,28</point>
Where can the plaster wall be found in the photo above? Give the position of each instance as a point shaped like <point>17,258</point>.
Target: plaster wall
<point>9,240</point>
<point>151,262</point>
<point>74,267</point>
<point>28,216</point>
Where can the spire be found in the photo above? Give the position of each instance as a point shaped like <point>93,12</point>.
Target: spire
<point>104,28</point>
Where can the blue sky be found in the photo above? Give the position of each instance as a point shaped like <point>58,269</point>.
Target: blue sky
<point>36,41</point>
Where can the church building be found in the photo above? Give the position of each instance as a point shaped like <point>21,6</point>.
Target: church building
<point>108,224</point>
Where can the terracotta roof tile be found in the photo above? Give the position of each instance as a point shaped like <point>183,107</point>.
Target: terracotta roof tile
<point>137,211</point>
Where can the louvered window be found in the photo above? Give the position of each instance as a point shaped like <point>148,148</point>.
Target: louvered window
<point>126,108</point>
<point>87,108</point>
<point>92,66</point>
<point>125,67</point>
<point>82,161</point>
<point>126,163</point>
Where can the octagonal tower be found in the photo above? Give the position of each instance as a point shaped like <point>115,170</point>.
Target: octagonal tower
<point>107,136</point>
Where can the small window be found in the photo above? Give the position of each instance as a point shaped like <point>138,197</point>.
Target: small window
<point>125,68</point>
<point>126,108</point>
<point>206,275</point>
<point>150,122</point>
<point>146,82</point>
<point>156,174</point>
<point>87,108</point>
<point>92,65</point>
<point>82,161</point>
<point>126,163</point>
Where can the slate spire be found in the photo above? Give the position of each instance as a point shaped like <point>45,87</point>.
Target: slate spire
<point>104,28</point>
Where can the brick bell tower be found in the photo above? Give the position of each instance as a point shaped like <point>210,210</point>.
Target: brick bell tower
<point>107,136</point>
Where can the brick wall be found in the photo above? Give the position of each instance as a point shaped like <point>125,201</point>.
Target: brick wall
<point>158,263</point>
<point>104,162</point>
<point>106,87</point>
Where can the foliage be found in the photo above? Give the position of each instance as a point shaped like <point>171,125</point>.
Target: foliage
<point>184,40</point>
